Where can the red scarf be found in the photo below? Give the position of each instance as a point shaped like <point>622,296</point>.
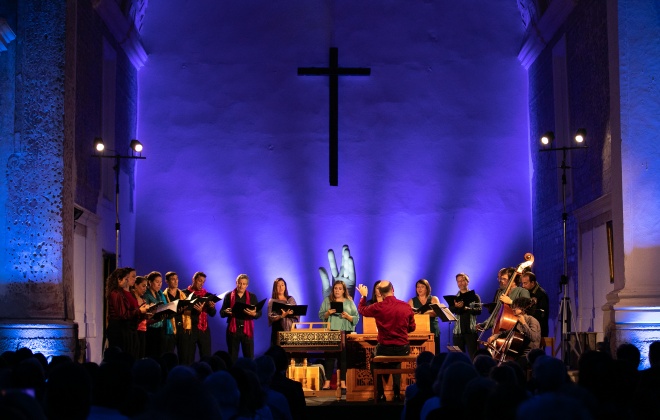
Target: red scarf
<point>248,325</point>
<point>203,322</point>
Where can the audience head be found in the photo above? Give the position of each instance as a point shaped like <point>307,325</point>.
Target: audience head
<point>68,392</point>
<point>454,381</point>
<point>222,386</point>
<point>425,357</point>
<point>629,354</point>
<point>147,374</point>
<point>226,357</point>
<point>484,364</point>
<point>549,374</point>
<point>265,370</point>
<point>552,406</point>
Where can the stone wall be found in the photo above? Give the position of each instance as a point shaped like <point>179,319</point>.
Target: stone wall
<point>588,177</point>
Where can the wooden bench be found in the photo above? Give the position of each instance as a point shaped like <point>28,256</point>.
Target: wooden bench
<point>387,371</point>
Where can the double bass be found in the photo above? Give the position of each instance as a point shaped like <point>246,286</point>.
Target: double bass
<point>510,343</point>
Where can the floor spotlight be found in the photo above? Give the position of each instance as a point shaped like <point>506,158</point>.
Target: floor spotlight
<point>98,144</point>
<point>547,138</point>
<point>136,146</point>
<point>580,135</point>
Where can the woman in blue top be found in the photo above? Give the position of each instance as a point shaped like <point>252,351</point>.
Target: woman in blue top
<point>156,327</point>
<point>339,321</point>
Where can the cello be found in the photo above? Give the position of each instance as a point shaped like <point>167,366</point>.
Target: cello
<point>510,342</point>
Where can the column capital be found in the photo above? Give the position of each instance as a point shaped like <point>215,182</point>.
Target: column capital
<point>123,29</point>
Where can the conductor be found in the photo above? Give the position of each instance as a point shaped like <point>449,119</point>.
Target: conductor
<point>394,319</point>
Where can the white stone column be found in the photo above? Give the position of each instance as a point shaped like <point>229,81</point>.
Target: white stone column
<point>633,308</point>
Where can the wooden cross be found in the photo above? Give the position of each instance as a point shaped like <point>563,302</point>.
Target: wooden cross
<point>334,71</point>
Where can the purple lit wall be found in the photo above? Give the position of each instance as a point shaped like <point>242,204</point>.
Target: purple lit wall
<point>434,171</point>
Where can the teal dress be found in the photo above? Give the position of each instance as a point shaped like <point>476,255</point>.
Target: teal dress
<point>434,319</point>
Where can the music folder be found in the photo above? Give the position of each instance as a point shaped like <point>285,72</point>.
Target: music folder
<point>238,309</point>
<point>443,312</point>
<point>153,306</point>
<point>166,310</point>
<point>423,309</point>
<point>466,297</point>
<point>337,306</point>
<point>298,310</point>
<point>208,298</point>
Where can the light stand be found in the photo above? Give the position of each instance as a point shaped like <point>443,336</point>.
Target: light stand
<point>136,147</point>
<point>565,313</point>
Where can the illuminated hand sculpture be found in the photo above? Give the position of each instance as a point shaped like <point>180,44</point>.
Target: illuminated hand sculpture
<point>345,274</point>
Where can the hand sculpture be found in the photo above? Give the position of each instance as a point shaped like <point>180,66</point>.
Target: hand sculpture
<point>345,274</point>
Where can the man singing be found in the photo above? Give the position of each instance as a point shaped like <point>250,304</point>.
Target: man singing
<point>240,326</point>
<point>394,319</point>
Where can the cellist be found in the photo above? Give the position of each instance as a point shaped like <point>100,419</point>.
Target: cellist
<point>503,277</point>
<point>526,326</point>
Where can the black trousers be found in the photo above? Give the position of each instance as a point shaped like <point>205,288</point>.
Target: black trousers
<point>329,366</point>
<point>239,339</point>
<point>467,343</point>
<point>389,350</point>
<point>192,340</point>
<point>154,342</point>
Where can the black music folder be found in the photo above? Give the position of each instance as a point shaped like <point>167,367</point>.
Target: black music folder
<point>208,298</point>
<point>239,307</point>
<point>466,298</point>
<point>337,306</point>
<point>167,310</point>
<point>443,313</point>
<point>298,310</point>
<point>423,309</point>
<point>153,306</point>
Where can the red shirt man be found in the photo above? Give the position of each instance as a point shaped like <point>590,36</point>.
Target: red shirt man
<point>394,319</point>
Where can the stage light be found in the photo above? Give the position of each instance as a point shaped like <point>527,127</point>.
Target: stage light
<point>136,146</point>
<point>98,144</point>
<point>136,153</point>
<point>580,135</point>
<point>547,138</point>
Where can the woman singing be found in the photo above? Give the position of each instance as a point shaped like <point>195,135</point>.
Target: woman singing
<point>139,289</point>
<point>280,321</point>
<point>155,329</point>
<point>339,321</point>
<point>423,296</point>
<point>375,294</point>
<point>123,315</point>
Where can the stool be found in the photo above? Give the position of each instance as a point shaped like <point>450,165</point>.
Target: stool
<point>387,371</point>
<point>550,342</point>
